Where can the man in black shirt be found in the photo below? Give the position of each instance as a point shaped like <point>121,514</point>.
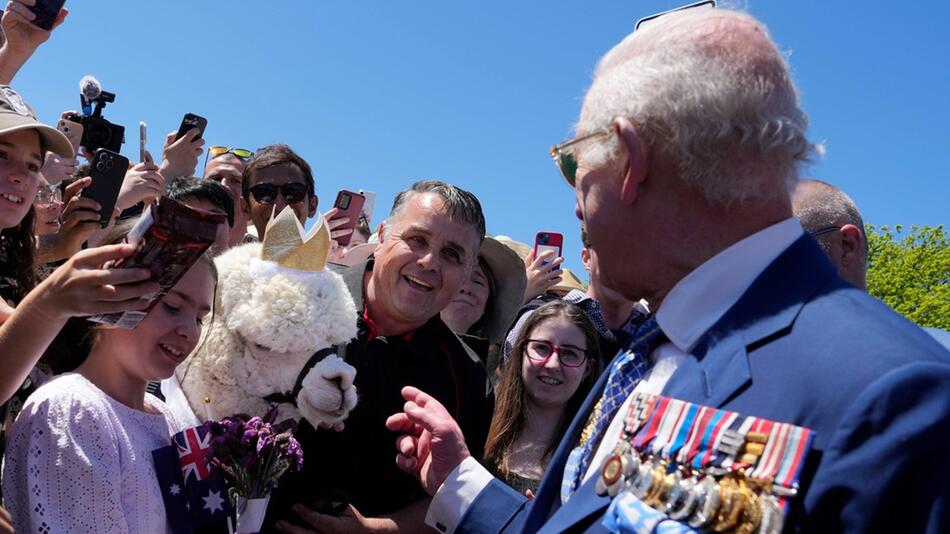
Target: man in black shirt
<point>428,247</point>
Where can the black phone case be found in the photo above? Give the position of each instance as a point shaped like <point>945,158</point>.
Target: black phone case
<point>189,121</point>
<point>46,12</point>
<point>107,171</point>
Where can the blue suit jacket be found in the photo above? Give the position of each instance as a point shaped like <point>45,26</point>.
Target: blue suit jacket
<point>804,347</point>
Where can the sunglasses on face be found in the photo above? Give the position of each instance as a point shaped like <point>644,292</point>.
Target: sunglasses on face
<point>565,158</point>
<point>564,154</point>
<point>240,153</point>
<point>540,350</point>
<point>293,192</point>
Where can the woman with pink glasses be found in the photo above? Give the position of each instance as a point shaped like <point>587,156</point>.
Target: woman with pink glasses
<point>553,365</point>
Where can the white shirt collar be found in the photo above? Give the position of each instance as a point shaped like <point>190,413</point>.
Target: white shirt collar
<point>703,296</point>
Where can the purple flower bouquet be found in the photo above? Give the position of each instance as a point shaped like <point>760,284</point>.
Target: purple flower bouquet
<point>252,453</point>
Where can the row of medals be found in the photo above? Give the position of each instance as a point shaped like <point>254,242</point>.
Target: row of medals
<point>715,499</point>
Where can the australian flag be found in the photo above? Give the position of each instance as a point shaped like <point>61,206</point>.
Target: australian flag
<point>196,500</point>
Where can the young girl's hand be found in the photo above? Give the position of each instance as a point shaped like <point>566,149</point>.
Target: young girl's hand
<point>82,287</point>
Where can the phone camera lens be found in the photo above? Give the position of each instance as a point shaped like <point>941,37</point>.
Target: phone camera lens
<point>543,239</point>
<point>100,166</point>
<point>110,164</point>
<point>345,202</point>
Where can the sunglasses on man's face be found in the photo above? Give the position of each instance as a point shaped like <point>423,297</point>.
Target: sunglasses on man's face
<point>293,192</point>
<point>565,158</point>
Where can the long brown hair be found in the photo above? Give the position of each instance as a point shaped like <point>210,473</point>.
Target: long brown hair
<point>16,259</point>
<point>509,419</point>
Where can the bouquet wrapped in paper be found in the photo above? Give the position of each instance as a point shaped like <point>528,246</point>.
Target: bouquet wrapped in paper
<point>252,453</point>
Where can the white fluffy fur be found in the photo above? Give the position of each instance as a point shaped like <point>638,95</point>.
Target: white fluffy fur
<point>268,323</point>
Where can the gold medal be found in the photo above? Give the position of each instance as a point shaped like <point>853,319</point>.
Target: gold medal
<point>752,513</point>
<point>730,508</point>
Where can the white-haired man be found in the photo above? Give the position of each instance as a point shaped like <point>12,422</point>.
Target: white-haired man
<point>686,141</point>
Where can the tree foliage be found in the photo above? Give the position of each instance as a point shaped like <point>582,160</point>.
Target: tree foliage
<point>910,272</point>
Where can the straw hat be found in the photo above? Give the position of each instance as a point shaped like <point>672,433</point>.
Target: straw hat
<point>508,284</point>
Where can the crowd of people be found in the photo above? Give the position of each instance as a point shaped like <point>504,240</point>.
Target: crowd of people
<point>497,391</point>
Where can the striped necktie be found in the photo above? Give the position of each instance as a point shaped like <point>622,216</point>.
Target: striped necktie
<point>625,372</point>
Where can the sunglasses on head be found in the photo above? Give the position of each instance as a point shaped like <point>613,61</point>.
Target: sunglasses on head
<point>293,192</point>
<point>563,154</point>
<point>240,153</point>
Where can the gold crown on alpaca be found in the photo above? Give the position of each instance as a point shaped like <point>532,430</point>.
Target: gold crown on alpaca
<point>286,243</point>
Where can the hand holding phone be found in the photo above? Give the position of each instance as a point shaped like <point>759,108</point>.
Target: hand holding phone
<point>72,130</point>
<point>189,122</point>
<point>545,241</point>
<point>348,204</point>
<point>46,11</point>
<point>107,170</point>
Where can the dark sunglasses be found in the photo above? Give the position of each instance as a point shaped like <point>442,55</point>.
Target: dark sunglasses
<point>563,154</point>
<point>267,193</point>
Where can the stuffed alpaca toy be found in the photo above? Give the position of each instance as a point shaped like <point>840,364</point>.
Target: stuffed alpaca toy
<point>279,314</point>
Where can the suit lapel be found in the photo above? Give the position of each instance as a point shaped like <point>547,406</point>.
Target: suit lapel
<point>718,367</point>
<point>584,503</point>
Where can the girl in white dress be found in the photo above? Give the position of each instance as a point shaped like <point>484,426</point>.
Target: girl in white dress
<point>79,456</point>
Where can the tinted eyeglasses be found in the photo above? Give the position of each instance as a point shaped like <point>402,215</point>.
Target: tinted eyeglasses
<point>293,192</point>
<point>240,153</point>
<point>540,350</point>
<point>47,194</point>
<point>564,158</point>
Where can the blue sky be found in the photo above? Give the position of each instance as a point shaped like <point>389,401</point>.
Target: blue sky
<point>378,94</point>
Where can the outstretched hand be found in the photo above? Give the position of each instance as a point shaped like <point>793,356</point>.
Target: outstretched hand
<point>431,444</point>
<point>82,286</point>
<point>23,37</point>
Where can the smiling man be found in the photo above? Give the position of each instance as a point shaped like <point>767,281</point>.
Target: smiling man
<point>428,248</point>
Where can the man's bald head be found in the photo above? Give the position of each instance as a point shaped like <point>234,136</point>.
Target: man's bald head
<point>834,219</point>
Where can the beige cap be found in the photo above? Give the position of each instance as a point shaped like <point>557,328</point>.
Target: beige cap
<point>15,116</point>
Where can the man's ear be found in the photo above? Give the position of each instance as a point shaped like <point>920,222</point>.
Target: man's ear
<point>585,259</point>
<point>381,233</point>
<point>852,245</point>
<point>245,207</point>
<point>637,163</point>
<point>314,200</point>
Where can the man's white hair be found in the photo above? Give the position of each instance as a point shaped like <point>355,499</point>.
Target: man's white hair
<point>720,102</point>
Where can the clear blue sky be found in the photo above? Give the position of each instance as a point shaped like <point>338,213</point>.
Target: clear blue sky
<point>377,94</point>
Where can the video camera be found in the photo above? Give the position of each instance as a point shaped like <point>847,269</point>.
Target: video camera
<point>97,131</point>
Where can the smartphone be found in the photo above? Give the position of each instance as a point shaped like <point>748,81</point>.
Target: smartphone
<point>46,12</point>
<point>369,205</point>
<point>72,130</point>
<point>545,241</point>
<point>143,138</point>
<point>169,238</point>
<point>349,205</point>
<point>107,170</point>
<point>190,121</point>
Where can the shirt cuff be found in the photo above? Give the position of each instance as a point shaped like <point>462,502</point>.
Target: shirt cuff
<point>456,495</point>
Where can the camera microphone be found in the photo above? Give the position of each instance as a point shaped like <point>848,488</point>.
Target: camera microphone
<point>89,90</point>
